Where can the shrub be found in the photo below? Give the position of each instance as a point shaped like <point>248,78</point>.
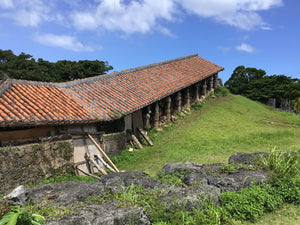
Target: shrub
<point>282,164</point>
<point>16,215</point>
<point>249,203</point>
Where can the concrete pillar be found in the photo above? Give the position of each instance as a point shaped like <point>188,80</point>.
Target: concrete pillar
<point>156,115</point>
<point>197,92</point>
<point>211,83</point>
<point>187,98</point>
<point>204,88</point>
<point>168,108</point>
<point>216,81</point>
<point>147,118</point>
<point>178,99</point>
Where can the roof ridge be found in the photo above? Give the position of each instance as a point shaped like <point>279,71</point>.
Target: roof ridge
<point>95,78</point>
<point>117,73</point>
<point>6,84</point>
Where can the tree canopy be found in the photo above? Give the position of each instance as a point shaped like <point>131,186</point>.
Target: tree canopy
<point>24,66</point>
<point>256,85</point>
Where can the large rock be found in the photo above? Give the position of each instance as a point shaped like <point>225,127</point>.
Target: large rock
<point>246,158</point>
<point>65,193</point>
<point>117,181</point>
<point>180,167</point>
<point>238,180</point>
<point>108,213</point>
<point>202,182</point>
<point>190,198</point>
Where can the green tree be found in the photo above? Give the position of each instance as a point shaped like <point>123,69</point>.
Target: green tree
<point>25,67</point>
<point>239,81</point>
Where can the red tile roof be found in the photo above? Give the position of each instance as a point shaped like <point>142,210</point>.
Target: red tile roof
<point>98,98</point>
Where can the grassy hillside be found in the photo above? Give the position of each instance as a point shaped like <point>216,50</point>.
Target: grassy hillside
<point>223,126</point>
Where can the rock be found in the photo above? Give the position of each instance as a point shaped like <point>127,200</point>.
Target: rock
<point>212,168</point>
<point>65,193</point>
<point>190,198</point>
<point>238,180</point>
<point>115,181</point>
<point>195,179</point>
<point>105,214</point>
<point>18,196</point>
<point>182,167</point>
<point>246,158</point>
<point>204,182</point>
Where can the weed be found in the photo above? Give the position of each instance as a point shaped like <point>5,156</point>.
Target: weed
<point>283,164</point>
<point>174,178</point>
<point>18,215</point>
<point>249,203</point>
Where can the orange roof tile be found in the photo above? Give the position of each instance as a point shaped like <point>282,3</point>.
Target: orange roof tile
<point>98,98</point>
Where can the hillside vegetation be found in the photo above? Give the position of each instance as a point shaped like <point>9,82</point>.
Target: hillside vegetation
<point>221,127</point>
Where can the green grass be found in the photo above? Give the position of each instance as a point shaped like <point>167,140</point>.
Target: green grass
<point>286,214</point>
<point>221,127</point>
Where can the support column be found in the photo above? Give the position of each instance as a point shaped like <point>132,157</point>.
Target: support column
<point>178,98</point>
<point>168,109</point>
<point>204,88</point>
<point>187,98</point>
<point>197,92</point>
<point>147,117</point>
<point>211,83</point>
<point>216,81</point>
<point>156,115</point>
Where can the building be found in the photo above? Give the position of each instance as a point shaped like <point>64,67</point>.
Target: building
<point>110,103</point>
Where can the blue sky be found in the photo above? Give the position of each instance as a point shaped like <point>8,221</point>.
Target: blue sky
<point>128,33</point>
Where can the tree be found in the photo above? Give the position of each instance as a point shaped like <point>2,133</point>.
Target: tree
<point>239,81</point>
<point>256,85</point>
<point>25,67</point>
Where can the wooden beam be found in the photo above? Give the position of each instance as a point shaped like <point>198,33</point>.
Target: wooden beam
<point>103,153</point>
<point>145,136</point>
<point>136,141</point>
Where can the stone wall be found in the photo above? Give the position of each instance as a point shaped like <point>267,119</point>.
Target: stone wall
<point>114,143</point>
<point>33,162</point>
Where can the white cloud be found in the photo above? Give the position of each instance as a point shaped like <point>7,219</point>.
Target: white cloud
<point>223,49</point>
<point>131,16</point>
<point>245,48</point>
<point>30,13</point>
<point>239,13</point>
<point>6,4</point>
<point>134,17</point>
<point>63,41</point>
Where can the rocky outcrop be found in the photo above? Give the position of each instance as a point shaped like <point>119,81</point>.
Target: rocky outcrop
<point>199,183</point>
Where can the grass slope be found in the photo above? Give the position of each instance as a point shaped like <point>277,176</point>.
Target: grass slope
<point>223,126</point>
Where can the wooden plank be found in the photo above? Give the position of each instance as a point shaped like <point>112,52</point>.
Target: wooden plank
<point>145,136</point>
<point>136,142</point>
<point>82,133</point>
<point>103,153</point>
<point>105,164</point>
<point>30,133</point>
<point>94,163</point>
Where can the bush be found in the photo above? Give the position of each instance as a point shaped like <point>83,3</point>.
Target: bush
<point>249,203</point>
<point>221,91</point>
